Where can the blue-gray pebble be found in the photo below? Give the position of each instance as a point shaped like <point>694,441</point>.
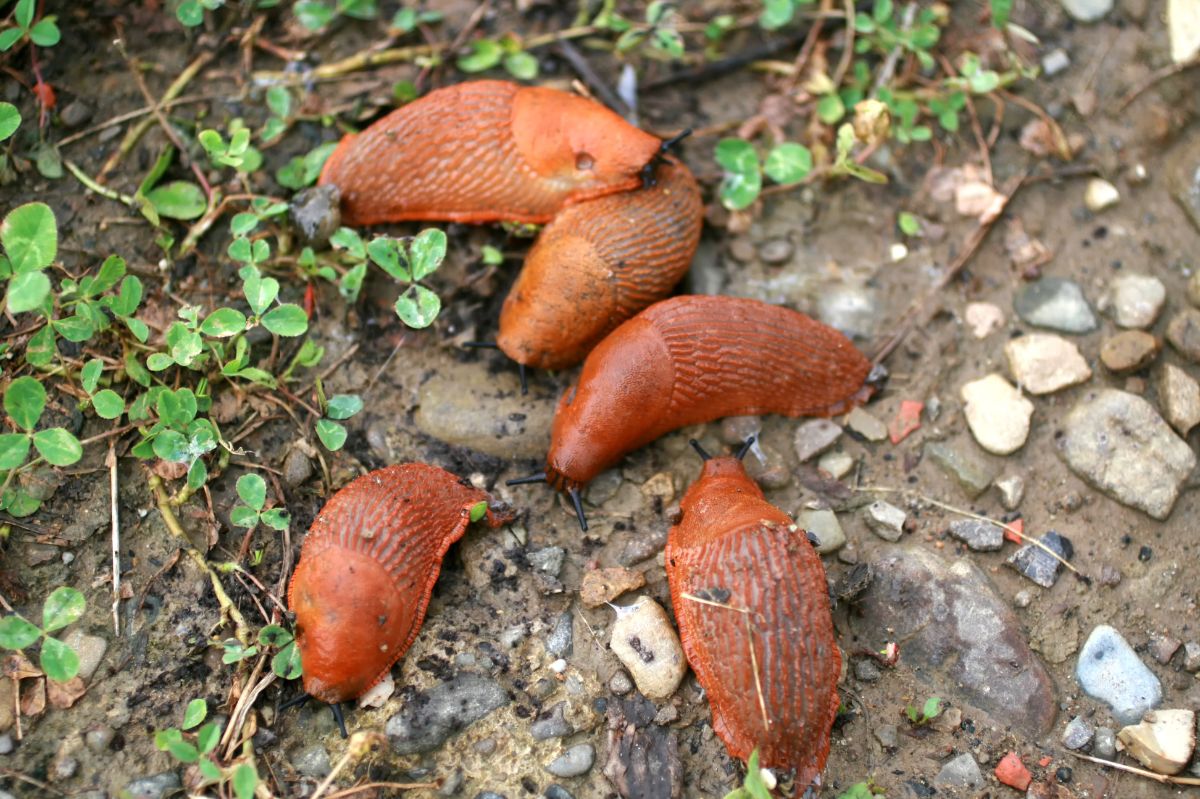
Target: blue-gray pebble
<point>1110,671</point>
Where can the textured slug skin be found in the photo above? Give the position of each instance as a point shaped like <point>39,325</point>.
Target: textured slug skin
<point>734,548</point>
<point>694,359</point>
<point>367,569</point>
<point>597,264</point>
<point>486,151</point>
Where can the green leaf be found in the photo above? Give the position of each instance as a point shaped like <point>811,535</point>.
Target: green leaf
<point>909,224</point>
<point>77,328</point>
<point>253,490</point>
<point>348,239</point>
<point>9,37</point>
<point>197,474</point>
<point>183,345</point>
<point>64,606</point>
<point>1001,9</point>
<point>788,163</point>
<point>276,518</point>
<point>933,706</point>
<point>30,237</point>
<point>260,292</point>
<point>243,516</point>
<point>279,100</point>
<point>776,14</point>
<point>196,712</point>
<point>171,445</point>
<point>223,322</point>
<point>16,633</point>
<point>286,662</point>
<point>332,434</point>
<point>302,171</point>
<point>111,271</point>
<point>245,781</point>
<point>417,307</point>
<point>390,256</point>
<point>492,256</point>
<point>137,373</point>
<point>46,32</point>
<point>40,349</point>
<point>274,635</point>
<point>58,446</point>
<point>427,252</point>
<point>27,291</point>
<point>830,109</point>
<point>242,224</point>
<point>178,199</point>
<point>158,361</point>
<point>358,9</point>
<point>343,406</point>
<point>883,10</point>
<point>286,320</point>
<point>19,503</point>
<point>859,790</point>
<point>484,55</point>
<point>190,13</point>
<point>239,249</point>
<point>24,401</point>
<point>207,737</point>
<point>743,180</point>
<point>130,296</point>
<point>257,376</point>
<point>10,120</point>
<point>89,375</point>
<point>14,449</point>
<point>183,751</point>
<point>59,661</point>
<point>478,511</point>
<point>351,283</point>
<point>23,13</point>
<point>522,65</point>
<point>210,770</point>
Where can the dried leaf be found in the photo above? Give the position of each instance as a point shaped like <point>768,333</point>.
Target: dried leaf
<point>33,697</point>
<point>63,695</point>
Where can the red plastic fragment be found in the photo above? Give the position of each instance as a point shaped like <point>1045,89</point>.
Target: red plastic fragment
<point>1045,761</point>
<point>1019,526</point>
<point>1011,771</point>
<point>908,420</point>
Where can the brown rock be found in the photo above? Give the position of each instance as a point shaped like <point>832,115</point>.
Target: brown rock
<point>1179,398</point>
<point>605,585</point>
<point>1184,333</point>
<point>1129,351</point>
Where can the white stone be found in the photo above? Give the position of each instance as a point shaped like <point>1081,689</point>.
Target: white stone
<point>1179,397</point>
<point>1055,62</point>
<point>1163,741</point>
<point>1012,490</point>
<point>1087,10</point>
<point>647,645</point>
<point>836,464</point>
<point>825,527</point>
<point>1133,300</point>
<point>983,318</point>
<point>898,252</point>
<point>866,425</point>
<point>885,520</point>
<point>1043,363</point>
<point>1183,26</point>
<point>997,414</point>
<point>1100,194</point>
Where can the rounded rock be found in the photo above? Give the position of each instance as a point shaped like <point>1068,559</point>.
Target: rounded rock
<point>1183,331</point>
<point>647,645</point>
<point>1043,363</point>
<point>575,762</point>
<point>775,251</point>
<point>1134,300</point>
<point>997,413</point>
<point>1129,351</point>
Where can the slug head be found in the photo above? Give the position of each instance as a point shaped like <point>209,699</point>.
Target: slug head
<point>578,142</point>
<point>351,622</point>
<point>723,499</point>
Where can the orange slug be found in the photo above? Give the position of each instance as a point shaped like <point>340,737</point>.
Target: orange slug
<point>597,264</point>
<point>693,359</point>
<point>367,569</point>
<point>753,611</point>
<point>486,151</point>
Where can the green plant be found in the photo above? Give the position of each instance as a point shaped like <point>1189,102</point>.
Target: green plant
<point>303,170</point>
<point>236,152</point>
<point>10,120</point>
<point>286,662</point>
<point>43,33</point>
<point>777,13</point>
<point>338,408</point>
<point>178,435</point>
<point>787,163</point>
<point>862,790</point>
<point>64,606</point>
<point>487,53</point>
<point>252,490</point>
<point>317,14</point>
<point>406,20</point>
<point>197,748</point>
<point>24,402</point>
<point>754,786</point>
<point>927,712</point>
<point>657,35</point>
<point>29,235</point>
<point>881,32</point>
<point>191,12</point>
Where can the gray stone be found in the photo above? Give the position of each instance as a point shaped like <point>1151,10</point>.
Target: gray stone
<point>490,795</point>
<point>561,638</point>
<point>1133,300</point>
<point>850,309</point>
<point>775,251</point>
<point>1104,745</point>
<point>316,213</point>
<point>620,684</point>
<point>604,487</point>
<point>887,735</point>
<point>977,534</point>
<point>548,560</point>
<point>1183,331</point>
<point>75,114</point>
<point>956,635</point>
<point>90,648</point>
<point>552,724</point>
<point>1110,671</point>
<point>885,520</point>
<point>556,791</point>
<point>1055,62</point>
<point>312,761</point>
<point>1087,10</point>
<point>1191,656</point>
<point>866,425</point>
<point>1078,733</point>
<point>575,762</point>
<point>836,464</point>
<point>1012,490</point>
<point>972,474</point>
<point>1179,397</point>
<point>63,768</point>
<point>866,671</point>
<point>297,467</point>
<point>825,527</point>
<point>814,437</point>
<point>1056,304</point>
<point>6,744</point>
<point>1039,565</point>
<point>433,715</point>
<point>98,738</point>
<point>156,786</point>
<point>961,772</point>
<point>1117,442</point>
<point>1023,598</point>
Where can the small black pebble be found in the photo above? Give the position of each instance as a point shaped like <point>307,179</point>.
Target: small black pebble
<point>1145,553</point>
<point>1064,774</point>
<point>967,726</point>
<point>1126,540</point>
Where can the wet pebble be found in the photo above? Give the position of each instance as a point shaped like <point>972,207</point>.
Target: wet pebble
<point>620,684</point>
<point>297,467</point>
<point>560,639</point>
<point>647,645</point>
<point>660,488</point>
<point>63,768</point>
<point>551,724</point>
<point>866,425</point>
<point>1163,741</point>
<point>1023,598</point>
<point>1163,648</point>
<point>885,520</point>
<point>736,429</point>
<point>605,585</point>
<point>1099,194</point>
<point>547,559</point>
<point>961,772</point>
<point>1193,288</point>
<point>6,744</point>
<point>1179,397</point>
<point>814,437</point>
<point>767,467</point>
<point>1104,744</point>
<point>1012,490</point>
<point>1191,656</point>
<point>1133,300</point>
<point>556,791</point>
<point>977,534</point>
<point>604,487</point>
<point>433,715</point>
<point>90,648</point>
<point>824,525</point>
<point>1129,351</point>
<point>742,250</point>
<point>490,795</point>
<point>1183,331</point>
<point>646,545</point>
<point>972,474</point>
<point>312,761</point>
<point>98,738</point>
<point>775,251</point>
<point>574,762</point>
<point>1039,565</point>
<point>836,464</point>
<point>1110,671</point>
<point>156,786</point>
<point>997,413</point>
<point>1117,442</point>
<point>1055,62</point>
<point>1078,733</point>
<point>850,309</point>
<point>1057,304</point>
<point>316,213</point>
<point>75,114</point>
<point>888,735</point>
<point>1043,363</point>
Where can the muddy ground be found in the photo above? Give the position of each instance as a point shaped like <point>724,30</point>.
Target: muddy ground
<point>494,612</point>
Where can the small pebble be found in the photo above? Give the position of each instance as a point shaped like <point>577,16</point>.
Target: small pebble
<point>1133,300</point>
<point>1012,772</point>
<point>297,467</point>
<point>647,645</point>
<point>1043,363</point>
<point>1183,331</point>
<point>979,535</point>
<point>620,684</point>
<point>574,762</point>
<point>667,714</point>
<point>1129,351</point>
<point>660,488</point>
<point>836,464</point>
<point>316,213</point>
<point>997,413</point>
<point>742,250</point>
<point>1012,490</point>
<point>558,666</point>
<point>603,488</point>
<point>1023,598</point>
<point>75,114</point>
<point>1055,62</point>
<point>155,786</point>
<point>551,724</point>
<point>885,520</point>
<point>556,791</point>
<point>64,768</point>
<point>961,772</point>
<point>1179,397</point>
<point>824,525</point>
<point>887,735</point>
<point>1104,744</point>
<point>736,429</point>
<point>1057,304</point>
<point>1163,648</point>
<point>1099,194</point>
<point>814,437</point>
<point>430,717</point>
<point>983,318</point>
<point>485,746</point>
<point>561,638</point>
<point>1039,565</point>
<point>866,425</point>
<point>1191,656</point>
<point>605,585</point>
<point>1078,733</point>
<point>775,251</point>
<point>1193,288</point>
<point>98,738</point>
<point>1110,671</point>
<point>1063,774</point>
<point>312,761</point>
<point>866,671</point>
<point>971,473</point>
<point>548,560</point>
<point>90,648</point>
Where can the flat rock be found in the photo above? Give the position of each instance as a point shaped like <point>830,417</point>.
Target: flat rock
<point>814,437</point>
<point>961,772</point>
<point>605,585</point>
<point>1117,442</point>
<point>885,520</point>
<point>647,645</point>
<point>1104,745</point>
<point>971,473</point>
<point>1110,671</point>
<point>433,715</point>
<point>90,648</point>
<point>1183,331</point>
<point>156,786</point>
<point>1163,741</point>
<point>1183,25</point>
<point>866,425</point>
<point>1056,304</point>
<point>997,413</point>
<point>956,635</point>
<point>1043,363</point>
<point>825,527</point>
<point>561,639</point>
<point>1039,565</point>
<point>575,762</point>
<point>1129,351</point>
<point>1191,656</point>
<point>983,318</point>
<point>836,464</point>
<point>1133,300</point>
<point>977,534</point>
<point>1179,398</point>
<point>551,724</point>
<point>1078,733</point>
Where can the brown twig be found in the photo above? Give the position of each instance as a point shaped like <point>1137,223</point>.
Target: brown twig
<point>130,115</point>
<point>1154,77</point>
<point>1139,771</point>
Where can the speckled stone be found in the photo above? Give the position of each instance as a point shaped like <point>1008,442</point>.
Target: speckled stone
<point>885,520</point>
<point>1057,304</point>
<point>866,425</point>
<point>1043,363</point>
<point>1133,300</point>
<point>1179,398</point>
<point>977,534</point>
<point>814,437</point>
<point>997,413</point>
<point>575,762</point>
<point>1039,565</point>
<point>1183,331</point>
<point>824,525</point>
<point>972,474</point>
<point>647,645</point>
<point>1110,671</point>
<point>1129,351</point>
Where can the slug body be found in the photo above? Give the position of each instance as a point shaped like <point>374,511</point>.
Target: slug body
<point>766,606</point>
<point>486,151</point>
<point>693,359</point>
<point>597,264</point>
<point>367,569</point>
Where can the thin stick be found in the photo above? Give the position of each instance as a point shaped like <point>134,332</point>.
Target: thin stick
<point>1154,77</point>
<point>92,185</point>
<point>368,786</point>
<point>1139,771</point>
<point>848,49</point>
<point>16,775</point>
<point>129,115</point>
<point>111,462</point>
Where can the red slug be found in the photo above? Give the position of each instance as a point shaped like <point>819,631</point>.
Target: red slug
<point>486,151</point>
<point>367,569</point>
<point>752,606</point>
<point>694,359</point>
<point>597,264</point>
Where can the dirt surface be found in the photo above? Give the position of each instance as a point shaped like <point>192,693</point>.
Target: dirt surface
<point>496,611</point>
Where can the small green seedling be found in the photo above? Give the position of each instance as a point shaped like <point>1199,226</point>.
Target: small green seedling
<point>107,403</point>
<point>303,170</point>
<point>178,436</point>
<point>64,606</point>
<point>507,50</point>
<point>43,33</point>
<point>10,120</point>
<point>24,402</point>
<point>787,164</point>
<point>908,223</point>
<point>337,408</point>
<point>777,13</point>
<point>197,748</point>
<point>416,306</point>
<point>29,235</point>
<point>478,511</point>
<point>236,152</point>
<point>755,785</point>
<point>862,790</point>
<point>315,15</point>
<point>252,490</point>
<point>286,663</point>
<point>406,20</point>
<point>928,712</point>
